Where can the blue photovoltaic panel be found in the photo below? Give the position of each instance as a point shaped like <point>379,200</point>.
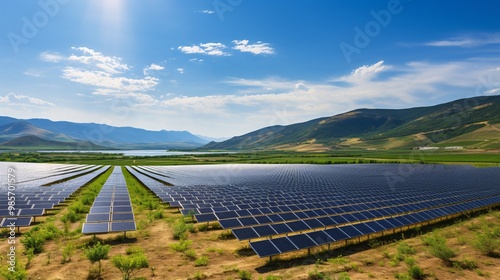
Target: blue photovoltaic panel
<point>313,223</point>
<point>364,229</point>
<point>248,221</point>
<point>90,228</point>
<point>245,233</point>
<point>320,237</point>
<point>297,225</point>
<point>122,217</point>
<point>264,230</point>
<point>275,218</point>
<point>17,222</point>
<point>283,244</point>
<point>205,217</point>
<point>101,217</point>
<point>226,215</point>
<point>123,226</point>
<point>264,248</point>
<point>230,223</point>
<point>326,221</point>
<point>375,226</point>
<point>302,241</point>
<point>281,228</point>
<point>351,231</point>
<point>263,219</point>
<point>31,212</point>
<point>336,234</point>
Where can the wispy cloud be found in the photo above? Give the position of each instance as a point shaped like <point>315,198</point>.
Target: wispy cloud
<point>17,99</point>
<point>208,12</point>
<point>107,75</point>
<point>215,49</point>
<point>257,48</point>
<point>180,70</point>
<point>467,41</point>
<point>364,73</point>
<point>110,64</point>
<point>152,67</point>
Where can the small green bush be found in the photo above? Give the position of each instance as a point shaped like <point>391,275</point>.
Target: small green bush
<point>415,272</point>
<point>201,261</point>
<point>488,241</point>
<point>181,246</point>
<point>405,249</point>
<point>130,264</point>
<point>245,275</point>
<point>190,253</point>
<point>97,253</point>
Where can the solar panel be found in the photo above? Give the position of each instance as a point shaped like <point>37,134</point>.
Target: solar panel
<point>230,223</point>
<point>16,222</point>
<point>297,225</point>
<point>284,244</point>
<point>123,226</point>
<point>264,248</point>
<point>122,217</point>
<point>90,228</point>
<point>101,217</point>
<point>245,233</point>
<point>281,228</point>
<point>302,241</point>
<point>205,217</point>
<point>320,237</point>
<point>336,234</point>
<point>264,230</point>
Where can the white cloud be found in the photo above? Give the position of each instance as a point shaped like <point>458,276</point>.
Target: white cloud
<point>110,64</point>
<point>51,57</point>
<point>33,73</point>
<point>467,42</point>
<point>152,67</point>
<point>364,73</point>
<point>180,70</point>
<point>258,48</point>
<point>215,49</point>
<point>208,12</point>
<point>492,91</point>
<point>106,80</point>
<point>16,99</point>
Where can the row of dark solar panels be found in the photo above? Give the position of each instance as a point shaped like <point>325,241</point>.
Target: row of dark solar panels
<point>112,210</point>
<point>206,199</point>
<point>32,202</point>
<point>284,244</point>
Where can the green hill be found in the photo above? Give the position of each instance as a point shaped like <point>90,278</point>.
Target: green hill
<point>33,142</point>
<point>380,128</point>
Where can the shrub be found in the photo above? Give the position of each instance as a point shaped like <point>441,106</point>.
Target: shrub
<point>181,246</point>
<point>130,264</point>
<point>180,229</point>
<point>201,261</point>
<point>199,275</point>
<point>190,253</point>
<point>97,253</point>
<point>442,251</point>
<point>416,272</point>
<point>404,248</point>
<point>488,241</point>
<point>245,275</point>
<point>203,227</point>
<point>33,241</point>
<point>67,251</point>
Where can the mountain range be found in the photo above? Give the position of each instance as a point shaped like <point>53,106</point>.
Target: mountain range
<point>43,133</point>
<point>469,123</point>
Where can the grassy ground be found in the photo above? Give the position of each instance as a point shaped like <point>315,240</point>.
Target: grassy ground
<point>177,248</point>
<point>475,157</point>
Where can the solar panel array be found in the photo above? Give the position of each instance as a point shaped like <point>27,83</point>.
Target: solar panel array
<point>290,207</point>
<point>39,188</point>
<point>112,210</point>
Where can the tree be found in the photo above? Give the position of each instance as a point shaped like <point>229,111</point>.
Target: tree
<point>97,253</point>
<point>129,264</point>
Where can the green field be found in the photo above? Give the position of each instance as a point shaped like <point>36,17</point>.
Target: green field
<point>270,157</point>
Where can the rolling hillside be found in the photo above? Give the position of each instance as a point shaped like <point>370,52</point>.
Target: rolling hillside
<point>100,134</point>
<point>34,142</point>
<point>442,124</point>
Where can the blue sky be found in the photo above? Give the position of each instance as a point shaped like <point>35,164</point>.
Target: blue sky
<point>222,68</point>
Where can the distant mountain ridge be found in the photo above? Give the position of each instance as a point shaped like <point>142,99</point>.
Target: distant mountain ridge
<point>382,128</point>
<point>98,134</point>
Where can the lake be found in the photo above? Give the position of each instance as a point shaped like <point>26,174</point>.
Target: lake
<point>140,153</point>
